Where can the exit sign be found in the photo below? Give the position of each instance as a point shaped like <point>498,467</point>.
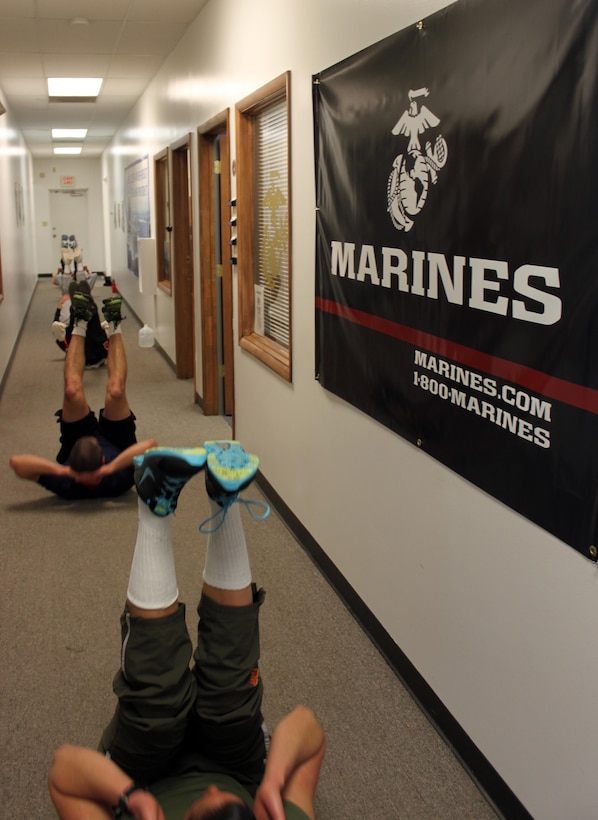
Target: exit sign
<point>67,182</point>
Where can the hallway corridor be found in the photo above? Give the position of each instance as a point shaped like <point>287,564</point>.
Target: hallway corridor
<point>65,567</point>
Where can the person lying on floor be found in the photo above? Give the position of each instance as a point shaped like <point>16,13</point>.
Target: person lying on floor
<point>190,742</point>
<point>96,456</point>
<point>69,272</point>
<point>96,339</point>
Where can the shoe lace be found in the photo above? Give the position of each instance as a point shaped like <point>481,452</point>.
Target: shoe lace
<point>221,513</point>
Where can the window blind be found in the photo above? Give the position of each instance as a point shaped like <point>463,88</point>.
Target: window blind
<point>272,219</point>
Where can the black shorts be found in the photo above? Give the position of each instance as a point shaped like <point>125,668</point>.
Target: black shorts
<point>119,433</point>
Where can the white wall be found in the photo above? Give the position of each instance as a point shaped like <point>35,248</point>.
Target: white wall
<point>47,174</point>
<point>142,136</point>
<point>496,614</point>
<point>16,235</point>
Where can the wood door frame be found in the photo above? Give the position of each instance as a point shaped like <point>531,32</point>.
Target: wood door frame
<point>162,196</point>
<point>218,126</point>
<point>182,257</point>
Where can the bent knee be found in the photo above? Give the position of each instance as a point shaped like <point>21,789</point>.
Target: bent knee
<point>115,391</point>
<point>73,389</point>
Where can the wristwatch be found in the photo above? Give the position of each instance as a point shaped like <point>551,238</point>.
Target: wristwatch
<point>122,807</point>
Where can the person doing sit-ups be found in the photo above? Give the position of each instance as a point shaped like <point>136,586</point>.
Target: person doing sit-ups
<point>189,741</point>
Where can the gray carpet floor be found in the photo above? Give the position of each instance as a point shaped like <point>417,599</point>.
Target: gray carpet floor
<point>64,577</point>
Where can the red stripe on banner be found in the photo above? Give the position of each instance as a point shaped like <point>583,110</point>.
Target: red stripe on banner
<point>585,398</point>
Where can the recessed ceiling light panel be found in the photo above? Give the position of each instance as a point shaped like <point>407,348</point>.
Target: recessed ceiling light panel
<point>68,150</point>
<point>74,86</point>
<point>69,133</point>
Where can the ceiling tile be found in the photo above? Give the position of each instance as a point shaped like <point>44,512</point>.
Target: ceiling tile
<point>97,38</point>
<point>150,38</point>
<point>17,8</point>
<point>91,9</point>
<point>175,11</point>
<point>76,65</point>
<point>125,42</point>
<point>132,66</point>
<point>25,87</point>
<point>122,88</point>
<point>18,35</point>
<point>20,65</point>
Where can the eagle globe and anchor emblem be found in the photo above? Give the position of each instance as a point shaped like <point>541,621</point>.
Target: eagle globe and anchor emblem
<point>411,175</point>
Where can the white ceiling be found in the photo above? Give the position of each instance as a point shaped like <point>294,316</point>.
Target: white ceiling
<point>126,42</point>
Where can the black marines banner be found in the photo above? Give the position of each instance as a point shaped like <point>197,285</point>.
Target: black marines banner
<point>457,247</point>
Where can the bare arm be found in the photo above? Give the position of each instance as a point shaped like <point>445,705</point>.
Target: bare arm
<point>293,766</point>
<point>122,460</point>
<point>85,785</point>
<point>32,467</point>
<point>125,459</point>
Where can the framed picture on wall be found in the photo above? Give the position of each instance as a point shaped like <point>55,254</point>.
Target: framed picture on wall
<point>136,209</point>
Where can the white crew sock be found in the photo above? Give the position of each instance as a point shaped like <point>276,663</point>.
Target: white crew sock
<point>111,330</point>
<point>152,580</point>
<point>80,328</point>
<point>227,561</point>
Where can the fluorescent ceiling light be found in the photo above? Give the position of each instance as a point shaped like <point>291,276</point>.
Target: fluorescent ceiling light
<point>74,86</point>
<point>68,150</point>
<point>69,133</point>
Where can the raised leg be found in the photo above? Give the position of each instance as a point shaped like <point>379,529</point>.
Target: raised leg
<point>227,719</point>
<point>74,403</point>
<point>154,685</point>
<point>116,405</point>
<point>83,308</point>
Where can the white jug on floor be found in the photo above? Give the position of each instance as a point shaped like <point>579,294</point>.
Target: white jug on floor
<point>146,336</point>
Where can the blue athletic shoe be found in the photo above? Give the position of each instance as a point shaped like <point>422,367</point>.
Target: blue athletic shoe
<point>162,472</point>
<point>229,469</point>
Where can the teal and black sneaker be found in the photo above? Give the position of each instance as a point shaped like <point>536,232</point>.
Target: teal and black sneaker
<point>229,469</point>
<point>83,306</point>
<point>111,310</point>
<point>162,472</point>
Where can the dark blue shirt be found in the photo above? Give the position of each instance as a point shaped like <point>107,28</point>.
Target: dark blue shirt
<point>109,487</point>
